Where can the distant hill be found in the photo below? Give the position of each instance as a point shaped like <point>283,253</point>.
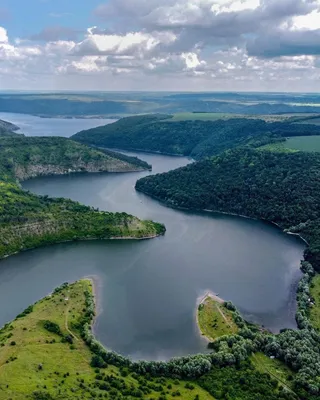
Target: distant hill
<point>195,138</point>
<point>108,104</point>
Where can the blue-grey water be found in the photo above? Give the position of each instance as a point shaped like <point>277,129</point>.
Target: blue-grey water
<point>36,126</point>
<point>147,290</point>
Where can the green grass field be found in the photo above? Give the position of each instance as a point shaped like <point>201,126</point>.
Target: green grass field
<point>294,144</point>
<point>280,147</point>
<point>189,116</point>
<point>37,364</point>
<point>315,310</point>
<point>275,368</point>
<point>215,320</point>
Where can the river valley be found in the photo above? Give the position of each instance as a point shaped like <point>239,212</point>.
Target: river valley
<point>147,290</point>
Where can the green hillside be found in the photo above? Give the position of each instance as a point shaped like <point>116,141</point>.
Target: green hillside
<point>28,221</point>
<point>196,138</point>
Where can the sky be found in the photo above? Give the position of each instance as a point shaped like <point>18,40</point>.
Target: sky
<point>177,45</point>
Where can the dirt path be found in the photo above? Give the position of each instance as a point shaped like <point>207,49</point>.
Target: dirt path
<point>222,314</point>
<point>66,321</point>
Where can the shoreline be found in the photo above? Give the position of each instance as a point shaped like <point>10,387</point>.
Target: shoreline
<point>201,210</point>
<point>82,240</point>
<point>94,280</point>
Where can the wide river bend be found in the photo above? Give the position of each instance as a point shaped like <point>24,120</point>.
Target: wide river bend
<point>147,290</point>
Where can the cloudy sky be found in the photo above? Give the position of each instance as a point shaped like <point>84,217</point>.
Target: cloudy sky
<point>187,45</point>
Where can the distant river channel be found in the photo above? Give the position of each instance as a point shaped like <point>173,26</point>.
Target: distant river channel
<point>147,290</point>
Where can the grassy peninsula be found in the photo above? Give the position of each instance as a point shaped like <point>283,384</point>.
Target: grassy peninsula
<point>214,319</point>
<point>28,221</point>
<point>49,353</point>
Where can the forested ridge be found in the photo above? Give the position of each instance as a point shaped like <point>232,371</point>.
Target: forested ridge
<point>198,139</point>
<point>280,187</point>
<point>28,221</point>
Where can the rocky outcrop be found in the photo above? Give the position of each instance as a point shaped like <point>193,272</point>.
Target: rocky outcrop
<point>56,229</point>
<point>24,172</point>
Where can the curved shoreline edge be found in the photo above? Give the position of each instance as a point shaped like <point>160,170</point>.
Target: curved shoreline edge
<point>201,210</point>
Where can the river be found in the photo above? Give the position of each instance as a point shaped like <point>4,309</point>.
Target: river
<point>31,125</point>
<point>147,290</point>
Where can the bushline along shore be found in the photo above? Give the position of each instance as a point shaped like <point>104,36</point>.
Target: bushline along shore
<point>175,207</point>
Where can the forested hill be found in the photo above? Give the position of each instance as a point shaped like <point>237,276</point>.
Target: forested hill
<point>7,128</point>
<point>28,221</point>
<point>195,138</point>
<point>279,187</point>
<point>26,157</point>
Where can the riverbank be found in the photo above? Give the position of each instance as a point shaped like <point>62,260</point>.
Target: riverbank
<point>28,221</point>
<point>199,210</point>
<point>72,226</point>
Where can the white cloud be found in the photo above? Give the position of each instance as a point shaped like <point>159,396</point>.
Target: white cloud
<point>176,45</point>
<point>132,42</point>
<point>3,35</point>
<point>310,21</point>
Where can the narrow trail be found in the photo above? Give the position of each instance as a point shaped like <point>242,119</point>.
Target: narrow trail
<point>222,314</point>
<point>66,321</point>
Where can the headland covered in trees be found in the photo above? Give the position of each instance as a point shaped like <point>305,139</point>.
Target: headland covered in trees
<point>28,221</point>
<point>195,138</point>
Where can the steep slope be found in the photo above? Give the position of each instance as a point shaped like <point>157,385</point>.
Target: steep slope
<point>28,221</point>
<point>33,156</point>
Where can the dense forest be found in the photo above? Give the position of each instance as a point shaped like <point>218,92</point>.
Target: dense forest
<point>28,221</point>
<point>198,139</point>
<point>280,187</point>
